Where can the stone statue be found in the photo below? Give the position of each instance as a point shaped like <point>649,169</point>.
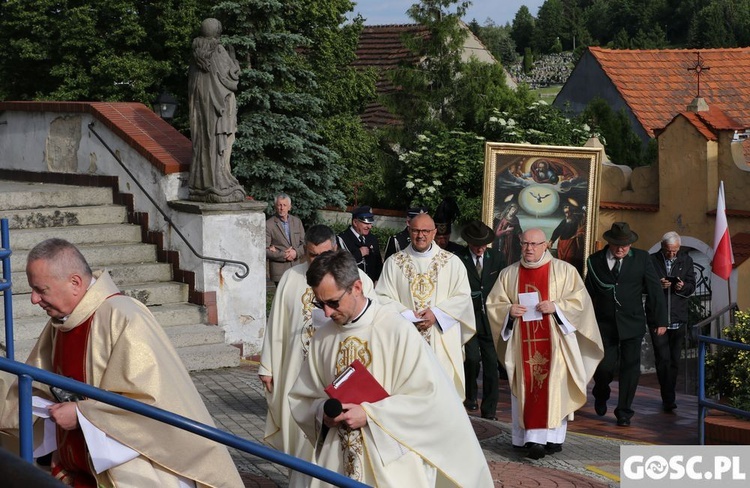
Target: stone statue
<point>213,78</point>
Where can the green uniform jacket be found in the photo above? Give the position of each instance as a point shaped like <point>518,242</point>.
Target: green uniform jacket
<point>618,303</point>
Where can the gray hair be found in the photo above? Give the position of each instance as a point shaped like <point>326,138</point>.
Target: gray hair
<point>339,264</point>
<point>671,238</point>
<point>282,196</point>
<point>63,257</point>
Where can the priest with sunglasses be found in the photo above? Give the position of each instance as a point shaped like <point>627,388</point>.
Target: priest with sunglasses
<point>418,434</point>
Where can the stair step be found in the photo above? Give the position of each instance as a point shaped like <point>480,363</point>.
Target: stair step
<point>195,358</point>
<point>63,217</point>
<point>97,255</point>
<point>122,274</point>
<point>195,335</point>
<point>80,235</point>
<point>169,316</point>
<point>87,217</point>
<point>210,356</point>
<point>156,293</point>
<point>23,195</point>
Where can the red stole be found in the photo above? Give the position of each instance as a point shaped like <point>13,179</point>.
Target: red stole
<point>536,351</point>
<point>69,360</point>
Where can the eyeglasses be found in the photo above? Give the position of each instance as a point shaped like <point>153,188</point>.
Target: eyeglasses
<point>333,304</point>
<point>531,244</point>
<point>421,231</point>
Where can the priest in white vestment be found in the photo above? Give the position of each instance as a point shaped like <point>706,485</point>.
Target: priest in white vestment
<point>551,357</point>
<point>432,285</point>
<point>291,324</point>
<point>420,435</point>
<point>112,341</point>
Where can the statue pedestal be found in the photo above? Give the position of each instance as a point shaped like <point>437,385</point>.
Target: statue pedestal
<point>235,231</point>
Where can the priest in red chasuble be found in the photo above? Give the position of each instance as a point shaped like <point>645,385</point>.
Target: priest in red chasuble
<point>546,334</point>
<point>99,336</point>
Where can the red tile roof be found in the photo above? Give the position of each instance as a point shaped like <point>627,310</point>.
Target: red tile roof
<point>657,84</point>
<point>136,124</point>
<point>381,47</point>
<point>740,248</point>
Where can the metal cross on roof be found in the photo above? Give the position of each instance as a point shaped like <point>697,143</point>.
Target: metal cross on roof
<point>699,68</point>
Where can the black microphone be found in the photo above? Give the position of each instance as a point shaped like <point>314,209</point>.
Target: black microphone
<point>332,408</point>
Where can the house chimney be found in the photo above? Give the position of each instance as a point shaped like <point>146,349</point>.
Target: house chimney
<point>698,105</point>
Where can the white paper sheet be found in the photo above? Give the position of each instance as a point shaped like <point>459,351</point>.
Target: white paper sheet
<point>39,408</point>
<point>409,315</point>
<point>530,301</point>
<point>105,451</point>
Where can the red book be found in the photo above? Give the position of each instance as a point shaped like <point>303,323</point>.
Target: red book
<point>356,385</point>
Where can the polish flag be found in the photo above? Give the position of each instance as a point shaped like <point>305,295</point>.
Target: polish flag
<point>723,260</point>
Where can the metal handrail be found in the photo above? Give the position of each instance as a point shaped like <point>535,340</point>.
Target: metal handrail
<point>28,373</point>
<point>714,316</point>
<point>5,287</point>
<point>166,217</point>
<point>703,403</point>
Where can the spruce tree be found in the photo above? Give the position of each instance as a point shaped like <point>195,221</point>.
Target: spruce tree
<point>278,146</point>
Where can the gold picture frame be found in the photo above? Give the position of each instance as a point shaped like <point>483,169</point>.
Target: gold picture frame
<point>554,188</point>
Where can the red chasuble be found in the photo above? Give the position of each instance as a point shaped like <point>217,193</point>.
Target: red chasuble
<point>70,360</point>
<point>535,341</point>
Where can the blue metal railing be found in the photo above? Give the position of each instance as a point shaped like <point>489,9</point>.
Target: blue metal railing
<point>5,287</point>
<point>28,373</point>
<point>703,403</point>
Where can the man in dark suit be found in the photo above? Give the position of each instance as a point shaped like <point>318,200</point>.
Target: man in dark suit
<point>482,266</point>
<point>364,246</point>
<point>401,240</point>
<point>677,277</point>
<point>285,238</point>
<point>618,277</point>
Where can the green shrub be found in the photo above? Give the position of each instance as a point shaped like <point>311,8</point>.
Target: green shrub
<point>728,370</point>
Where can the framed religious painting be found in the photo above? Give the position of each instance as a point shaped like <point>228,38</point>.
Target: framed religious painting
<point>553,188</point>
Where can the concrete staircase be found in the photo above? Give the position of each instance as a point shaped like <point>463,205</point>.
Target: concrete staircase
<point>87,217</point>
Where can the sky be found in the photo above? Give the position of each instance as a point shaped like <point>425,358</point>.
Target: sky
<point>394,11</point>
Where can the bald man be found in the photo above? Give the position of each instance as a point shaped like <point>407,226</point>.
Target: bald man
<point>430,287</point>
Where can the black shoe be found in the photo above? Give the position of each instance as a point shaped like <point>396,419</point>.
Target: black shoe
<point>471,406</point>
<point>623,422</point>
<point>536,451</point>
<point>668,407</point>
<point>600,407</point>
<point>552,448</point>
<point>489,417</point>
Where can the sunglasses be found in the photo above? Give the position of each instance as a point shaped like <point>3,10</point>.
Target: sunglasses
<point>332,304</point>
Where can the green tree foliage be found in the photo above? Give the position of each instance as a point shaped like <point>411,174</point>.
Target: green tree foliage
<point>278,146</point>
<point>721,23</point>
<point>497,39</point>
<point>522,30</point>
<point>446,164</point>
<point>536,123</point>
<point>343,90</point>
<point>622,144</point>
<point>115,50</point>
<point>425,98</point>
<point>550,26</point>
<point>479,87</point>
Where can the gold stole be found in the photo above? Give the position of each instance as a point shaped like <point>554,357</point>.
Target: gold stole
<point>307,330</point>
<point>352,444</point>
<point>536,350</point>
<point>422,285</point>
